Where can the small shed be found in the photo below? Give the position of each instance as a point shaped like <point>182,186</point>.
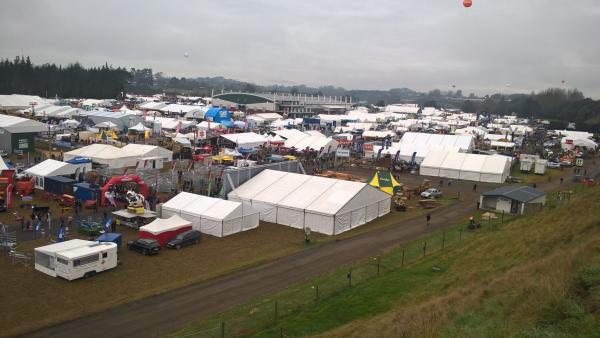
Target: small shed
<point>518,200</point>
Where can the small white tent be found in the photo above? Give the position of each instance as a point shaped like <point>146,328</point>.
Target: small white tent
<point>52,167</point>
<point>212,216</point>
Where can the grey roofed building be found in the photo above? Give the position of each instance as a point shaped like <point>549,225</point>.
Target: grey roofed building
<point>521,193</point>
<point>17,133</point>
<point>513,199</point>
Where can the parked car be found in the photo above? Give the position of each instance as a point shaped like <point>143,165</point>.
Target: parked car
<point>431,193</point>
<point>145,246</point>
<point>553,165</point>
<point>184,239</point>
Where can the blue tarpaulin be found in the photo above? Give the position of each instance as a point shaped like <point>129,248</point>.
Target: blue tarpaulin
<point>219,115</point>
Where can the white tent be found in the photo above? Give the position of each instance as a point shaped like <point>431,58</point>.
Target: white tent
<point>106,124</point>
<point>139,128</point>
<point>314,142</point>
<point>210,215</point>
<point>115,157</point>
<point>472,167</point>
<point>52,167</point>
<point>423,144</point>
<point>70,123</point>
<point>325,205</point>
<point>3,165</point>
<point>147,150</point>
<point>206,125</point>
<point>103,154</point>
<point>246,140</point>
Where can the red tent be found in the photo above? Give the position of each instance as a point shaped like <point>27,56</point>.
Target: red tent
<point>164,230</point>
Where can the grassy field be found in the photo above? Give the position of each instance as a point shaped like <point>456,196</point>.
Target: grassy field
<point>27,293</point>
<point>531,277</point>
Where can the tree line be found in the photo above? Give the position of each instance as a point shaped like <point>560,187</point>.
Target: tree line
<point>20,76</point>
<point>554,105</point>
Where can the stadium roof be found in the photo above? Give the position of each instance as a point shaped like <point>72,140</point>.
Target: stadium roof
<point>245,98</point>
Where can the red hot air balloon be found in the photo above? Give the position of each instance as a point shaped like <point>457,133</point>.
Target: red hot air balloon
<point>467,3</point>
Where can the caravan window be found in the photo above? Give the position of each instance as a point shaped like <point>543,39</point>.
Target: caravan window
<point>104,255</point>
<point>62,261</point>
<point>85,260</point>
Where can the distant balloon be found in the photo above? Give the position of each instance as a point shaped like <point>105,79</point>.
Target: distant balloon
<point>467,3</point>
<point>186,54</point>
<point>453,86</point>
<point>563,81</point>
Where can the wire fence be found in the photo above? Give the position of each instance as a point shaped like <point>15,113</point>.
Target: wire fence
<point>266,314</point>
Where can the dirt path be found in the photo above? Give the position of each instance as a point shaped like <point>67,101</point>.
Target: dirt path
<point>161,314</point>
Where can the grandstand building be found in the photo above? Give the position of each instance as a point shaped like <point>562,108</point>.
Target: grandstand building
<point>300,105</point>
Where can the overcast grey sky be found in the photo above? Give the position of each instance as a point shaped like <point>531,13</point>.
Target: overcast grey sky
<point>420,44</point>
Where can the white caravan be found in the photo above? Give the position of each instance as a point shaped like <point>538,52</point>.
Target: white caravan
<point>75,258</point>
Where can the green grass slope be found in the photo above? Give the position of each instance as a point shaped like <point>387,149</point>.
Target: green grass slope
<point>538,276</point>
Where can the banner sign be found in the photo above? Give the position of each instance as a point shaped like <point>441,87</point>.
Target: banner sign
<point>341,152</point>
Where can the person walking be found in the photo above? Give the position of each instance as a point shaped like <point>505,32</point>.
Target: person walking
<point>475,187</point>
<point>49,220</point>
<point>428,218</point>
<point>561,180</point>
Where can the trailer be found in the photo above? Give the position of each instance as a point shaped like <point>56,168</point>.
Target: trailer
<point>58,185</point>
<point>540,167</point>
<point>75,258</point>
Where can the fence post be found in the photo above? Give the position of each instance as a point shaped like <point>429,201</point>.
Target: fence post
<point>275,314</point>
<point>222,329</point>
<point>502,219</point>
<point>349,277</point>
<point>424,248</point>
<point>443,240</point>
<point>316,287</point>
<point>402,264</point>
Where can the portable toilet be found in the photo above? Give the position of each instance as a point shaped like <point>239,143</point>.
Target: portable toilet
<point>540,167</point>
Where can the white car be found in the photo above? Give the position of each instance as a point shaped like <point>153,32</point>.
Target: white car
<point>431,193</point>
<point>553,165</point>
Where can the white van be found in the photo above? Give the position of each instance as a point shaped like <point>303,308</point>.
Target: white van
<point>76,258</point>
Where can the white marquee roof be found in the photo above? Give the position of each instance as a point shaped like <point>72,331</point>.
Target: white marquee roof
<point>14,124</point>
<point>316,194</point>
